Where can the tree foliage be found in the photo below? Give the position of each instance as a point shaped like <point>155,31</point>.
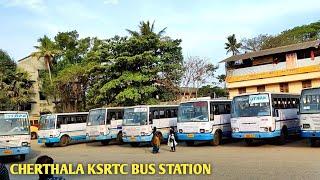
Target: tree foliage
<point>15,85</point>
<point>232,45</point>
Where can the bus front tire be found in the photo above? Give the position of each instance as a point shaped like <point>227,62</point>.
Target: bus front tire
<point>34,135</point>
<point>135,144</point>
<point>64,141</point>
<point>216,139</point>
<point>105,142</point>
<point>48,144</point>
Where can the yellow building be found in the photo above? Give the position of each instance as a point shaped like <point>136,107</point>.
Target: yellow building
<point>284,69</point>
<point>39,103</point>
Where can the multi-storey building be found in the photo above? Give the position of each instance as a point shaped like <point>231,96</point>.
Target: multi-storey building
<point>283,69</point>
<point>39,103</point>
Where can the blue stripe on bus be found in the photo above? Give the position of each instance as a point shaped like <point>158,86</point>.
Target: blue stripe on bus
<point>257,135</point>
<point>15,151</point>
<point>310,134</point>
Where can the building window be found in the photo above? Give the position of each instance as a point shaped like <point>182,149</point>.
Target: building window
<point>242,90</point>
<point>306,84</point>
<point>284,87</point>
<point>261,88</point>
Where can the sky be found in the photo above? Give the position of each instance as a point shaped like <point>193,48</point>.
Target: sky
<point>203,25</point>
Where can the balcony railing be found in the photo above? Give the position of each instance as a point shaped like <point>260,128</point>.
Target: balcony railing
<point>272,67</point>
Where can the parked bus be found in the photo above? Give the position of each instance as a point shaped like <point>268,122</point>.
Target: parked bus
<point>62,128</point>
<point>105,124</point>
<point>14,134</point>
<point>264,115</point>
<point>139,121</point>
<point>204,120</point>
<point>310,114</point>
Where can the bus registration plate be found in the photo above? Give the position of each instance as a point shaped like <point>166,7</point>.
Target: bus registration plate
<point>132,138</point>
<point>190,135</point>
<point>249,136</point>
<point>7,152</point>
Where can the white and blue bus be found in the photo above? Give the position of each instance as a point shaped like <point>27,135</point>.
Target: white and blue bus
<point>139,121</point>
<point>204,120</point>
<point>14,134</point>
<point>310,114</point>
<point>105,124</point>
<point>62,128</point>
<point>265,115</point>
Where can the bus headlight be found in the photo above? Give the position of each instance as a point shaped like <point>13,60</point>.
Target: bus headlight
<point>202,130</point>
<point>180,131</point>
<point>25,144</point>
<point>306,126</point>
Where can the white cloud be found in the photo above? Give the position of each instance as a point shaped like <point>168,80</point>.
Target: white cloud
<point>33,5</point>
<point>113,2</point>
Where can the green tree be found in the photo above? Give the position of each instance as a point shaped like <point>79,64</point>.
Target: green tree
<point>255,43</point>
<point>232,45</point>
<point>213,91</point>
<point>146,28</point>
<point>15,86</point>
<point>47,49</point>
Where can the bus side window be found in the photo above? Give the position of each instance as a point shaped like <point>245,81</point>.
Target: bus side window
<point>119,115</point>
<point>110,116</point>
<point>155,114</point>
<point>150,117</point>
<point>211,111</point>
<point>216,109</point>
<point>175,114</point>
<point>227,108</point>
<point>221,109</point>
<point>162,114</point>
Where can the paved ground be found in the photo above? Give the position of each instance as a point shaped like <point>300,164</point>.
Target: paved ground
<point>232,160</point>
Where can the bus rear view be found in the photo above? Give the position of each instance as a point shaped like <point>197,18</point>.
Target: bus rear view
<point>310,114</point>
<point>14,134</point>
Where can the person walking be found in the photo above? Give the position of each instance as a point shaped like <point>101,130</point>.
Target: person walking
<point>172,141</point>
<point>4,174</point>
<point>156,143</point>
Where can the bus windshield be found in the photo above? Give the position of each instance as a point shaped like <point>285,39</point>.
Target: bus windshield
<point>193,112</point>
<point>96,117</point>
<point>47,122</point>
<point>135,117</point>
<point>251,106</point>
<point>14,124</point>
<point>310,101</point>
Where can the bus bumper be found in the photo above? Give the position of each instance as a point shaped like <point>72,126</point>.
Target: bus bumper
<point>48,140</point>
<point>195,136</point>
<point>14,151</point>
<point>101,137</point>
<point>255,135</point>
<point>146,138</point>
<point>310,134</point>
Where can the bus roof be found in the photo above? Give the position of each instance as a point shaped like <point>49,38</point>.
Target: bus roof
<point>13,112</point>
<point>161,106</point>
<point>108,108</point>
<point>208,100</point>
<point>312,88</point>
<point>272,93</point>
<point>73,113</point>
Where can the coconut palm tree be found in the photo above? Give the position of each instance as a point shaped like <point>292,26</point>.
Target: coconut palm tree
<point>232,45</point>
<point>47,50</point>
<point>146,28</point>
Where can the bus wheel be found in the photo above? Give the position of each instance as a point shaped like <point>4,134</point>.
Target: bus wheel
<point>105,142</point>
<point>119,138</point>
<point>49,144</point>
<point>135,144</point>
<point>283,136</point>
<point>249,142</point>
<point>216,139</point>
<point>34,135</point>
<point>22,157</point>
<point>64,141</point>
<point>313,142</point>
<point>190,143</point>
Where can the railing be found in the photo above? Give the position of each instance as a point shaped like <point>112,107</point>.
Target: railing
<point>271,67</point>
